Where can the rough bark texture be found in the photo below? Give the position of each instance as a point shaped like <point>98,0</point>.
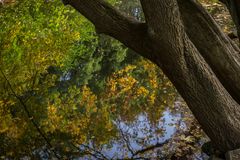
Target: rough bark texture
<point>217,49</point>
<point>164,41</point>
<point>109,21</point>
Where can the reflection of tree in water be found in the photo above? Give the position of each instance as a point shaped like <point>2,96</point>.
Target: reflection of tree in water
<point>163,129</point>
<point>94,101</point>
<point>137,116</point>
<point>143,140</point>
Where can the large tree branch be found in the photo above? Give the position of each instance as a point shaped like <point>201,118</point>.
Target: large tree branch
<point>106,19</point>
<point>157,17</point>
<point>216,48</point>
<point>161,28</point>
<point>110,21</point>
<point>191,75</point>
<point>169,47</point>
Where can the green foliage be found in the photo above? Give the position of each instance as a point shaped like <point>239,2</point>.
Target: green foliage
<point>75,83</point>
<point>48,53</point>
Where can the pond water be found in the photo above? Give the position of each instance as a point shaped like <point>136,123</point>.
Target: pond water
<point>104,103</point>
<point>174,135</point>
<point>120,123</point>
<point>140,134</point>
<point>142,139</point>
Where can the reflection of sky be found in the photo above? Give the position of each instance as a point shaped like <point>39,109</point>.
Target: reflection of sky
<point>140,134</point>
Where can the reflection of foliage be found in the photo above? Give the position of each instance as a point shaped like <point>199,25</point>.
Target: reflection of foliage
<point>188,138</point>
<point>76,85</point>
<point>137,87</point>
<point>39,41</point>
<point>75,113</point>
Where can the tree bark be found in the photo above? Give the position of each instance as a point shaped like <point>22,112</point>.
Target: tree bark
<point>163,40</point>
<point>217,49</point>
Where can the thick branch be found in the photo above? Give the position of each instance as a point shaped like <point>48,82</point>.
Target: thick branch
<point>161,26</point>
<point>153,10</point>
<point>110,21</point>
<point>169,46</point>
<point>216,48</point>
<point>210,103</point>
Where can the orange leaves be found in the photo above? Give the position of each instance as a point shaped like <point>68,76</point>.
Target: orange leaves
<point>52,123</point>
<point>121,81</point>
<point>88,99</point>
<point>126,83</point>
<point>142,91</point>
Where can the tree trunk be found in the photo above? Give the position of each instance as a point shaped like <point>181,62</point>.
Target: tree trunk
<point>164,41</point>
<point>217,49</point>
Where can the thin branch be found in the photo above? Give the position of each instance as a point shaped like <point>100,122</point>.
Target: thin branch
<point>126,140</point>
<point>95,153</point>
<point>158,145</point>
<point>86,152</point>
<point>30,116</point>
<point>136,153</point>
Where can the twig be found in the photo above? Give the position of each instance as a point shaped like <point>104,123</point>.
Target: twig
<point>126,141</point>
<point>98,155</point>
<point>158,145</point>
<point>30,116</point>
